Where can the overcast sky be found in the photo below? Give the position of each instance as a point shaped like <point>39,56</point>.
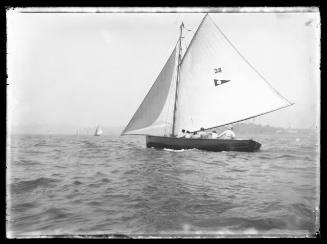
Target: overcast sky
<point>85,69</point>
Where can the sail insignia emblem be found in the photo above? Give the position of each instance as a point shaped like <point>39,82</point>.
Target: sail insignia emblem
<point>220,82</point>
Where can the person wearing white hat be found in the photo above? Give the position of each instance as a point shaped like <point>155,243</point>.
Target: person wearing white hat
<point>227,134</point>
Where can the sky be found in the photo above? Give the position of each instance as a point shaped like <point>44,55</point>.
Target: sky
<point>88,69</point>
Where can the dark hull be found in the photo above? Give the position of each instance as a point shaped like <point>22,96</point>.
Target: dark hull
<point>216,145</point>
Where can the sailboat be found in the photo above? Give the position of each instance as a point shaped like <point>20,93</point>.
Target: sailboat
<point>211,85</point>
<point>98,131</point>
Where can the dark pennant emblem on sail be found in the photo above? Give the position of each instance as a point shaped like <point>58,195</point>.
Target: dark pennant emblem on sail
<point>220,82</point>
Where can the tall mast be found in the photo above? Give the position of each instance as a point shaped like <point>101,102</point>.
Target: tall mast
<point>177,79</point>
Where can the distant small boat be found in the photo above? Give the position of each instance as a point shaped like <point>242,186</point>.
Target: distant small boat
<point>98,131</point>
<point>210,85</point>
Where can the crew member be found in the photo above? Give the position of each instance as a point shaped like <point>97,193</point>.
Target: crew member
<point>181,134</point>
<point>227,134</point>
<point>202,133</point>
<point>214,135</point>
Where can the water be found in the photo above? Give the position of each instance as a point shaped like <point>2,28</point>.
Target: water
<point>60,184</point>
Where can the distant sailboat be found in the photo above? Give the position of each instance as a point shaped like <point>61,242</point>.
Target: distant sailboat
<point>98,131</point>
<point>211,86</point>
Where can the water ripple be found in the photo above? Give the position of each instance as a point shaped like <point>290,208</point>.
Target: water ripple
<point>29,185</point>
<point>109,184</point>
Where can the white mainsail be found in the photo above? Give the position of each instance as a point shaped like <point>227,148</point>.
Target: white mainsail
<point>217,86</point>
<point>154,116</point>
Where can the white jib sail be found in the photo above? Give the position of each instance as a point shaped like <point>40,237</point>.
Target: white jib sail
<point>218,86</point>
<point>154,116</point>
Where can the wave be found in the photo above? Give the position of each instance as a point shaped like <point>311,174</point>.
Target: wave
<point>94,185</point>
<point>88,144</point>
<point>21,207</point>
<point>262,224</point>
<point>36,152</point>
<point>94,203</point>
<point>29,185</point>
<point>302,209</point>
<point>287,156</point>
<point>105,180</point>
<point>309,147</point>
<point>232,193</point>
<point>265,157</point>
<point>176,150</point>
<point>76,182</point>
<point>55,213</point>
<point>131,172</point>
<point>98,173</point>
<point>41,144</point>
<point>234,232</point>
<point>28,162</point>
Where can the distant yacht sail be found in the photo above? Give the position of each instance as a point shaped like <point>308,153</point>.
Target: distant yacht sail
<point>212,85</point>
<point>98,131</point>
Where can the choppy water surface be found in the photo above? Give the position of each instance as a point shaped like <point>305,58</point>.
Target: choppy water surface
<point>114,185</point>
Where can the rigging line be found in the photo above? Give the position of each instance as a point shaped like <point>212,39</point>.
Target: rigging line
<point>178,76</point>
<point>186,94</point>
<point>185,36</point>
<point>229,41</point>
<point>170,96</point>
<point>187,33</point>
<point>195,34</point>
<point>180,63</point>
<point>165,131</point>
<point>248,117</point>
<point>185,46</point>
<point>168,109</point>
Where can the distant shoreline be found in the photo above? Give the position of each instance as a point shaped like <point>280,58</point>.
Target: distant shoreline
<point>240,128</point>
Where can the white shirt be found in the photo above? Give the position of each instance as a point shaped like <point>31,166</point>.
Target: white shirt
<point>214,135</point>
<point>180,134</point>
<point>202,134</point>
<point>228,134</point>
<point>187,135</point>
